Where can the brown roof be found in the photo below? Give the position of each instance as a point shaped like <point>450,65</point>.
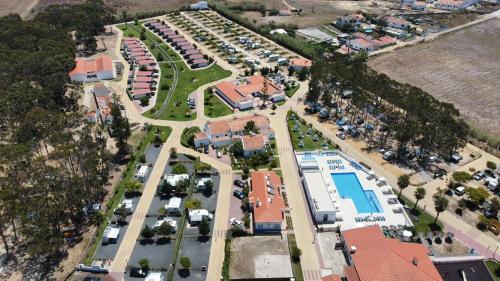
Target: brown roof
<point>331,277</point>
<point>267,207</point>
<point>102,63</point>
<point>237,124</point>
<point>238,92</point>
<point>378,258</point>
<point>200,135</point>
<point>301,62</point>
<point>256,142</point>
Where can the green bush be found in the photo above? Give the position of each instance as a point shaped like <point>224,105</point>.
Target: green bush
<point>179,168</point>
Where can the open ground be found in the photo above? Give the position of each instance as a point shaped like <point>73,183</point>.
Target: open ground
<point>460,68</point>
<point>16,7</point>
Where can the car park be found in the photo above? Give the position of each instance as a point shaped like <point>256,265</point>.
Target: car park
<point>238,194</point>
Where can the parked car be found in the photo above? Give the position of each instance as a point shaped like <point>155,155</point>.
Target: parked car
<point>489,173</point>
<point>236,222</point>
<point>238,194</point>
<point>389,155</point>
<point>138,272</point>
<point>239,183</point>
<point>479,175</point>
<point>459,191</point>
<point>341,135</point>
<point>219,154</point>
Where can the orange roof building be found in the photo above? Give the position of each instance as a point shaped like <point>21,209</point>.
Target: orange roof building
<point>300,63</point>
<point>253,145</point>
<point>224,132</point>
<point>266,201</point>
<point>374,257</point>
<point>246,93</point>
<point>91,70</point>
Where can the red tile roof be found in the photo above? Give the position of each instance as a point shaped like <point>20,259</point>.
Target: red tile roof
<point>266,206</point>
<point>301,62</point>
<point>237,124</point>
<point>102,63</point>
<point>256,142</point>
<point>377,258</point>
<point>238,92</point>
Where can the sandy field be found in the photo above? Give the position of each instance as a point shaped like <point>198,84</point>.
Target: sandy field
<point>460,68</point>
<point>16,6</point>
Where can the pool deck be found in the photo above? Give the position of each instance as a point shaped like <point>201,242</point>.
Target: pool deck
<point>317,168</point>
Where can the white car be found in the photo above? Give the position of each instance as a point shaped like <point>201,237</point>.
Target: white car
<point>341,135</point>
<point>219,154</point>
<point>236,222</point>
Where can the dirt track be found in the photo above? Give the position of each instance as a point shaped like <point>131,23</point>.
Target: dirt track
<point>14,6</point>
<point>461,68</point>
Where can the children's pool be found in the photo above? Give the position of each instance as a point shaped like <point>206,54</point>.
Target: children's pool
<point>349,187</point>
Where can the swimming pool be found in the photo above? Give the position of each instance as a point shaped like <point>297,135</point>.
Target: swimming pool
<point>349,187</point>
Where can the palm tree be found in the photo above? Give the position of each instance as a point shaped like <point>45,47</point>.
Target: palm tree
<point>419,195</point>
<point>403,182</point>
<point>440,204</point>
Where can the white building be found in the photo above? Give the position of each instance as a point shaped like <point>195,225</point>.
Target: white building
<point>452,5</point>
<point>201,5</point>
<point>278,31</point>
<point>343,195</point>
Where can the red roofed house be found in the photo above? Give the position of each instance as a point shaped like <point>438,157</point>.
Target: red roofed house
<point>374,257</point>
<point>361,44</point>
<point>331,277</point>
<point>245,93</point>
<point>298,63</point>
<point>201,139</point>
<point>266,201</point>
<point>397,22</point>
<point>90,70</point>
<point>253,145</point>
<point>224,132</point>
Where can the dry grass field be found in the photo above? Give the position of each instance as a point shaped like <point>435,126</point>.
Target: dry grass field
<point>462,68</point>
<point>131,6</point>
<point>15,6</point>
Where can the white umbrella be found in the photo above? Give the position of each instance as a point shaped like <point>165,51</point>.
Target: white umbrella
<point>407,233</point>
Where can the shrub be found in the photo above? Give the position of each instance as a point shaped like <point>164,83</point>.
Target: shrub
<point>185,262</point>
<point>144,264</point>
<point>147,232</point>
<point>144,101</point>
<point>179,168</point>
<point>491,165</point>
<point>296,253</point>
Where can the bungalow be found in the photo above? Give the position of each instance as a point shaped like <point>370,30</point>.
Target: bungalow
<point>361,44</point>
<point>186,48</point>
<point>247,92</point>
<point>384,41</point>
<point>224,132</point>
<point>137,86</point>
<point>144,74</point>
<point>253,145</point>
<point>91,70</point>
<point>299,63</point>
<point>138,94</point>
<point>194,57</point>
<point>266,201</point>
<point>197,63</point>
<point>191,52</point>
<point>397,22</point>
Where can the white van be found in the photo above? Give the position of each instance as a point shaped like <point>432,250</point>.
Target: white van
<point>196,216</point>
<point>110,235</point>
<point>174,205</point>
<point>142,173</point>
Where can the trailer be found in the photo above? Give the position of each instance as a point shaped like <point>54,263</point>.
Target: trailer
<point>174,205</point>
<point>196,216</point>
<point>110,235</point>
<point>142,173</point>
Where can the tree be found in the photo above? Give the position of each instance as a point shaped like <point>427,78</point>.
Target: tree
<point>495,206</point>
<point>179,169</point>
<point>144,101</point>
<point>296,253</point>
<point>237,149</point>
<point>185,263</point>
<point>264,71</point>
<point>419,194</point>
<point>159,57</point>
<point>120,128</point>
<point>477,195</point>
<point>291,71</point>
<point>147,232</point>
<point>440,204</point>
<point>165,229</point>
<point>274,12</point>
<point>144,264</point>
<point>204,227</point>
<point>182,187</point>
<point>303,74</point>
<point>491,165</point>
<point>122,214</point>
<point>132,186</point>
<point>461,177</point>
<point>173,153</point>
<point>193,204</point>
<point>209,186</point>
<point>202,167</point>
<point>403,182</point>
<point>166,188</point>
<point>250,127</point>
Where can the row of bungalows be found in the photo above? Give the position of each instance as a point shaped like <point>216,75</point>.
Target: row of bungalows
<point>366,43</point>
<point>143,80</point>
<point>185,48</point>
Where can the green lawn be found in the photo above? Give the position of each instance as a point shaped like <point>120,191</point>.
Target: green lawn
<point>214,106</point>
<point>309,143</point>
<point>189,80</point>
<point>425,221</point>
<point>494,267</point>
<point>290,92</point>
<point>119,191</point>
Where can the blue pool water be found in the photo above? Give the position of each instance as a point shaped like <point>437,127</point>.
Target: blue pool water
<point>349,187</point>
